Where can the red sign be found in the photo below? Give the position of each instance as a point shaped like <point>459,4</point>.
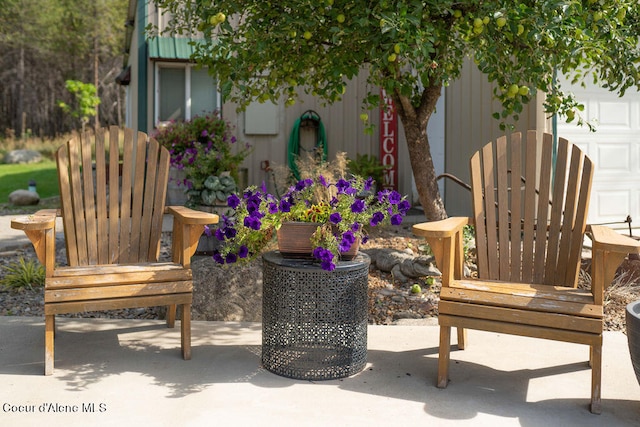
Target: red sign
<point>389,141</point>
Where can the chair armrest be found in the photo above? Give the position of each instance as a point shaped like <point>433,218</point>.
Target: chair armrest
<point>445,239</point>
<point>610,240</point>
<point>440,229</point>
<point>40,229</point>
<point>188,226</point>
<point>610,248</point>
<point>41,220</point>
<point>191,216</point>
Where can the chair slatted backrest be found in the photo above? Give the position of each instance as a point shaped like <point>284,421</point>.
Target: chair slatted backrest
<point>530,209</point>
<point>112,203</point>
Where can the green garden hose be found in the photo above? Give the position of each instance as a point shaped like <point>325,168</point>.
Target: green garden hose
<point>293,149</point>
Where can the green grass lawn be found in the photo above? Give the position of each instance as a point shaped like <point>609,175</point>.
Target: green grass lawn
<point>16,177</point>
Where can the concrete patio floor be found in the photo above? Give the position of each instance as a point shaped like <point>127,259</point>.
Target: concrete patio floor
<point>129,372</point>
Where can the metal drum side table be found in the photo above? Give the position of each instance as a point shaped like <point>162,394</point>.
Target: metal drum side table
<point>314,322</point>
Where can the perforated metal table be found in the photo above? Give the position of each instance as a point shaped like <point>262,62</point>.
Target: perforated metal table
<point>314,322</point>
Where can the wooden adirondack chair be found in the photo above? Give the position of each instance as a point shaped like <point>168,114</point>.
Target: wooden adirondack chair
<point>529,236</point>
<point>112,208</point>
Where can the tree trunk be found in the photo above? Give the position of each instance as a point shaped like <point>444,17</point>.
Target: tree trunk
<point>415,123</point>
<point>19,125</point>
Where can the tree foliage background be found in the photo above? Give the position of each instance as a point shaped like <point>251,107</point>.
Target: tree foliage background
<point>261,49</point>
<point>43,43</point>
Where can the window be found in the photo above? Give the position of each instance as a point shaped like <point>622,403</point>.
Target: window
<point>183,92</point>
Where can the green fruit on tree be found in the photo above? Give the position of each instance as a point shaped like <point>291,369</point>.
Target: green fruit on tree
<point>290,102</point>
<point>597,16</point>
<point>307,35</point>
<point>457,13</point>
<point>392,57</point>
<point>340,18</point>
<point>571,114</point>
<point>485,20</point>
<point>520,29</point>
<point>292,34</point>
<point>221,17</point>
<point>621,14</point>
<point>524,90</point>
<point>477,22</point>
<point>513,90</point>
<point>501,22</point>
<point>329,2</point>
<point>396,48</point>
<point>364,117</point>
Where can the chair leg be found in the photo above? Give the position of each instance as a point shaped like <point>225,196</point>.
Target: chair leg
<point>49,329</point>
<point>443,357</point>
<point>171,316</point>
<point>596,378</point>
<point>185,331</point>
<point>462,338</point>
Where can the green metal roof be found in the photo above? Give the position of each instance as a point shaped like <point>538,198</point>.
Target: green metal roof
<point>170,48</point>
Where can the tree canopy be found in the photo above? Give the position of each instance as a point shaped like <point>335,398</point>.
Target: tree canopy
<point>271,50</point>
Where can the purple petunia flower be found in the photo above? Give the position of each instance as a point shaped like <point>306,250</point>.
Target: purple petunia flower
<point>273,208</point>
<point>358,206</point>
<point>348,239</point>
<point>342,185</point>
<point>322,180</point>
<point>252,223</point>
<point>285,206</point>
<point>404,206</point>
<point>207,231</point>
<point>394,197</point>
<point>230,232</point>
<point>217,257</point>
<point>219,234</point>
<point>368,184</point>
<point>376,218</point>
<point>335,218</point>
<point>233,201</point>
<point>396,219</point>
<point>231,258</point>
<point>243,251</point>
<point>325,257</point>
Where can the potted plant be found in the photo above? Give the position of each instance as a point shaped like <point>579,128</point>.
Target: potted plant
<point>203,148</point>
<point>336,213</point>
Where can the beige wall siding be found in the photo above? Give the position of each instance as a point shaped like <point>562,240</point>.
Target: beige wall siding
<point>343,127</point>
<point>469,126</point>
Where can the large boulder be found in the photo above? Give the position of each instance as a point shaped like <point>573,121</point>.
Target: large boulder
<point>24,198</point>
<point>22,156</point>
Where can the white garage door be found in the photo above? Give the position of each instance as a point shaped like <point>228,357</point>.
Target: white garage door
<point>615,150</point>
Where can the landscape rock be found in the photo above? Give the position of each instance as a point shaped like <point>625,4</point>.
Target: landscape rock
<point>403,265</point>
<point>24,198</point>
<point>226,294</point>
<point>22,156</point>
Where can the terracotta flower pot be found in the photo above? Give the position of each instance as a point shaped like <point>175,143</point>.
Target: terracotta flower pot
<point>294,241</point>
<point>633,335</point>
